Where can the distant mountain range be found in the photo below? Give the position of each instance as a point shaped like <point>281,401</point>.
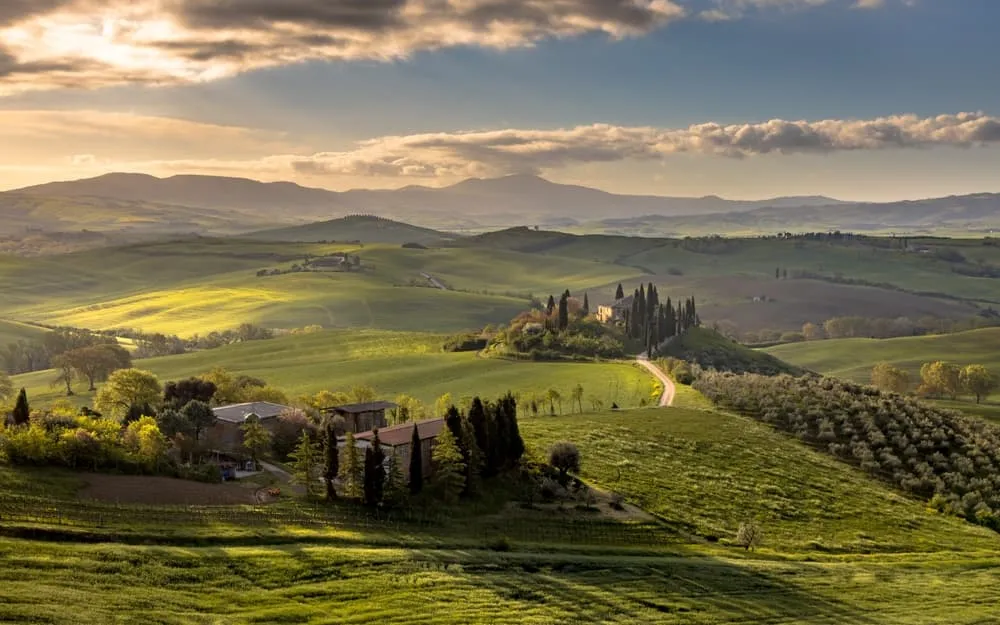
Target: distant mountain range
<point>139,203</point>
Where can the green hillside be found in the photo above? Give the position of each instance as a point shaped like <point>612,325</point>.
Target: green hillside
<point>199,285</point>
<point>365,229</point>
<point>393,363</point>
<point>853,359</point>
<point>13,331</point>
<point>711,350</point>
<point>837,547</point>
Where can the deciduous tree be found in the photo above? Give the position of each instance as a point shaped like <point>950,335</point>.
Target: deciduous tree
<point>199,415</point>
<point>256,438</point>
<point>889,378</point>
<point>565,457</point>
<point>124,388</point>
<point>978,381</point>
<point>940,378</point>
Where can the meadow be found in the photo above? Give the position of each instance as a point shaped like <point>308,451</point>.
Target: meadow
<point>853,359</point>
<point>391,362</point>
<point>837,548</point>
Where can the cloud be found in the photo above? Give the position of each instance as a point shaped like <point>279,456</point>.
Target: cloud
<point>95,138</point>
<point>86,43</point>
<point>50,44</point>
<point>499,152</point>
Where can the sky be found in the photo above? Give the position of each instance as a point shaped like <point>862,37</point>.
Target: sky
<point>856,99</point>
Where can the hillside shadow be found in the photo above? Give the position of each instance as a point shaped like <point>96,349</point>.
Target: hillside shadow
<point>676,589</point>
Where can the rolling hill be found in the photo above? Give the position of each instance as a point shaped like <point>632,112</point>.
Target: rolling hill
<point>215,205</point>
<point>853,359</point>
<point>363,228</point>
<point>474,203</point>
<point>391,362</point>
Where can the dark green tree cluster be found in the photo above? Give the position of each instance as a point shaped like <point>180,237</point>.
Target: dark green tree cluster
<point>488,440</point>
<point>937,455</point>
<point>653,322</point>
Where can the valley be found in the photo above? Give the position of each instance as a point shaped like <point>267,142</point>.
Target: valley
<point>361,308</point>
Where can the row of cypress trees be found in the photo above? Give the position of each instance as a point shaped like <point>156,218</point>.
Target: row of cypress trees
<point>652,321</point>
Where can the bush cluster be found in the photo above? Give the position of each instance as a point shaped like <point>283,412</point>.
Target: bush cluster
<point>936,455</point>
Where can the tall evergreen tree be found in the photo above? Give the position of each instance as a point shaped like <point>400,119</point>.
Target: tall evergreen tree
<point>550,306</point>
<point>563,312</point>
<point>352,469</point>
<point>374,481</point>
<point>305,463</point>
<point>22,411</point>
<point>481,429</point>
<point>586,305</point>
<point>449,468</point>
<point>331,459</point>
<point>515,444</point>
<point>619,293</point>
<point>416,463</point>
<point>395,487</point>
<point>473,458</point>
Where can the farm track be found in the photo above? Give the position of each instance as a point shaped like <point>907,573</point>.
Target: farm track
<point>669,390</point>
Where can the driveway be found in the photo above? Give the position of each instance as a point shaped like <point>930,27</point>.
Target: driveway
<point>667,399</point>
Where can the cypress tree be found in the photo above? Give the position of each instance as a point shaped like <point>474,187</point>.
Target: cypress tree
<point>550,306</point>
<point>515,444</point>
<point>620,293</point>
<point>395,487</point>
<point>493,452</point>
<point>474,458</point>
<point>480,428</point>
<point>416,463</point>
<point>586,305</point>
<point>331,457</point>
<point>22,411</point>
<point>563,311</point>
<point>374,479</point>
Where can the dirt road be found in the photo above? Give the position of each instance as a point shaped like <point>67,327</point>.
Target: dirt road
<point>667,399</point>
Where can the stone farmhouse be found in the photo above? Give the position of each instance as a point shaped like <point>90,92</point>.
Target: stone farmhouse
<point>227,434</point>
<point>615,312</point>
<point>362,417</point>
<point>398,438</point>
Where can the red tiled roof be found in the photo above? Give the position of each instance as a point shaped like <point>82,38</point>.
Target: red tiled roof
<point>402,434</point>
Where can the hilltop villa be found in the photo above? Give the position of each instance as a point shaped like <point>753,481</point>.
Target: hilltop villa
<point>615,313</point>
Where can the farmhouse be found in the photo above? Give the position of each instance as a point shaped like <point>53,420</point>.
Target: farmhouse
<point>362,417</point>
<point>615,313</point>
<point>398,438</point>
<point>227,434</point>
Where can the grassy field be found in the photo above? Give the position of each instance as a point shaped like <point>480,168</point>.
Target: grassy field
<point>197,286</point>
<point>853,358</point>
<point>391,362</point>
<point>13,331</point>
<point>837,548</point>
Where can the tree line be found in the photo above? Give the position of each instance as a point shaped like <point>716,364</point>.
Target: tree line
<point>937,455</point>
<point>651,321</point>
<point>938,379</point>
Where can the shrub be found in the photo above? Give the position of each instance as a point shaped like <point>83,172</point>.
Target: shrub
<point>501,543</point>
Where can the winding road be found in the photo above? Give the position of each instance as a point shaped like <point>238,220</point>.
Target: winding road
<point>667,399</point>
